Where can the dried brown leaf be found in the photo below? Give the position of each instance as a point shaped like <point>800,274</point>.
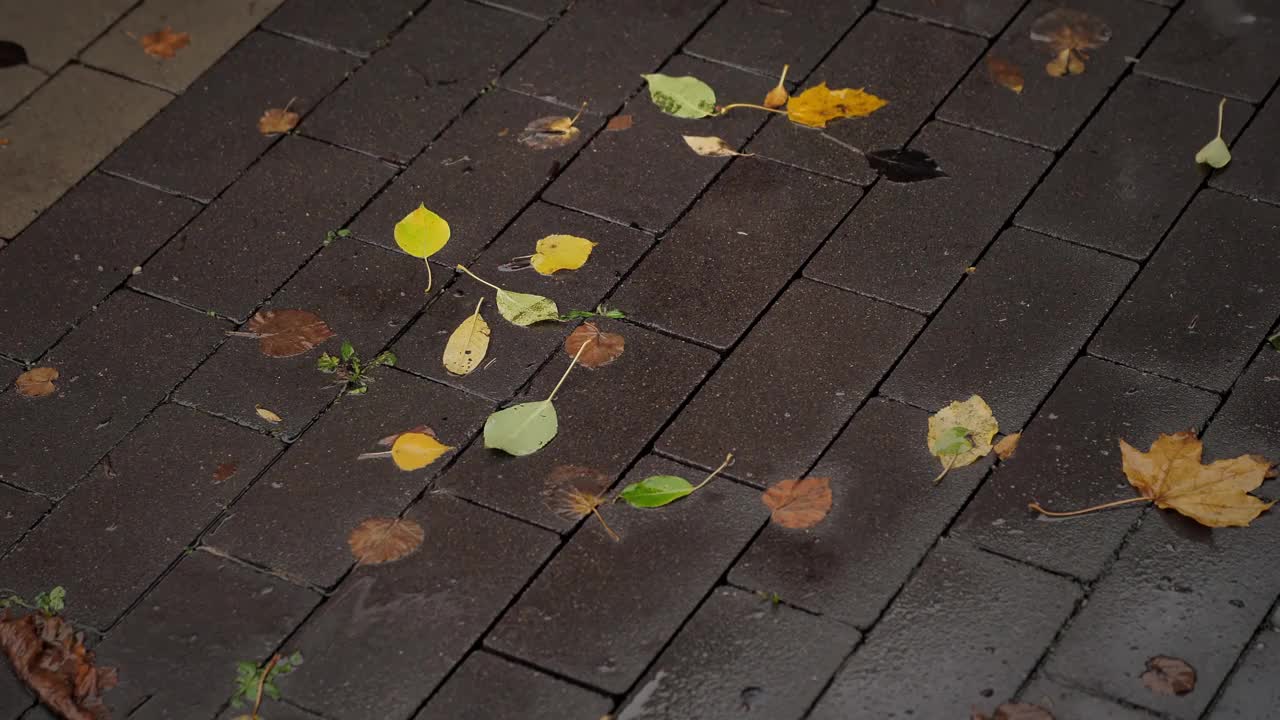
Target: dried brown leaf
<point>620,122</point>
<point>224,471</point>
<point>285,333</point>
<point>1169,676</point>
<point>1005,73</point>
<point>577,477</point>
<point>50,658</point>
<point>1007,446</point>
<point>382,540</point>
<point>778,96</point>
<point>550,132</point>
<point>799,504</point>
<point>1171,475</point>
<point>1068,33</point>
<point>267,415</point>
<point>277,120</point>
<point>36,382</point>
<point>164,44</point>
<point>605,347</point>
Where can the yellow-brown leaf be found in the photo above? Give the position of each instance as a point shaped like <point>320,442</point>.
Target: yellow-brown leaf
<point>1171,475</point>
<point>818,105</point>
<point>1005,73</point>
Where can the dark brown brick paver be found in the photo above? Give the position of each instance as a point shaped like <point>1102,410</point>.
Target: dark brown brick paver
<point>1076,268</point>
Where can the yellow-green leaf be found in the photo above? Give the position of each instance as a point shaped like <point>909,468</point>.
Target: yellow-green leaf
<point>525,309</point>
<point>818,105</point>
<point>1215,154</point>
<point>413,450</point>
<point>961,433</point>
<point>468,344</point>
<point>561,252</point>
<point>685,97</point>
<point>521,429</point>
<point>422,233</point>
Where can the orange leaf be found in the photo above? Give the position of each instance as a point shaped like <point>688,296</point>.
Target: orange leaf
<point>1005,73</point>
<point>164,44</point>
<point>277,120</point>
<point>1007,446</point>
<point>50,657</point>
<point>1169,676</point>
<point>605,347</point>
<point>381,540</point>
<point>620,122</point>
<point>1171,475</point>
<point>37,382</point>
<point>799,503</point>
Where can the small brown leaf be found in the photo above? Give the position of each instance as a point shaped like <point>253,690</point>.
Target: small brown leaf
<point>390,440</point>
<point>620,122</point>
<point>1068,33</point>
<point>1169,676</point>
<point>382,540</point>
<point>51,659</point>
<point>605,347</point>
<point>278,120</point>
<point>164,44</point>
<point>267,415</point>
<point>799,504</point>
<point>1004,73</point>
<point>4,141</point>
<point>1007,446</point>
<point>36,382</point>
<point>778,96</point>
<point>285,333</point>
<point>552,131</point>
<point>224,471</point>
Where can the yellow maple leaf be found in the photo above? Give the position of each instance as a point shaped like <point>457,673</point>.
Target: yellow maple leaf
<point>818,105</point>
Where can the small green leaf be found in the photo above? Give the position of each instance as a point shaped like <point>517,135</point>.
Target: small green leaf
<point>344,233</point>
<point>347,350</point>
<point>327,363</point>
<point>656,491</point>
<point>524,309</point>
<point>521,429</point>
<point>1275,341</point>
<point>685,97</point>
<point>387,358</point>
<point>1215,154</point>
<point>952,441</point>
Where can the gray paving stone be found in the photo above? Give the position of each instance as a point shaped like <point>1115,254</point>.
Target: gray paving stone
<point>738,655</point>
<point>1249,421</point>
<point>248,242</point>
<point>812,388</point>
<point>1019,298</point>
<point>1178,589</point>
<point>1049,110</point>
<point>541,9</point>
<point>214,29</point>
<point>518,352</point>
<point>1069,458</point>
<point>431,606</point>
<point>478,176</point>
<point>1251,173</point>
<point>405,96</point>
<point>607,417</point>
<point>359,27</point>
<point>114,368</point>
<point>61,132</point>
<point>205,138</point>
<point>663,175</point>
<point>19,511</point>
<point>1251,691</point>
<point>153,495</point>
<point>968,627</point>
<point>54,32</point>
<point>1132,170</point>
<point>179,646</point>
<point>363,293</point>
<point>601,610</point>
<point>725,261</point>
<point>14,696</point>
<point>1222,47</point>
<point>16,83</point>
<point>9,372</point>
<point>985,17</point>
<point>1069,703</point>
<point>909,243</point>
<point>763,36</point>
<point>883,496</point>
<point>1199,309</point>
<point>597,51</point>
<point>60,271</point>
<point>487,687</point>
<point>872,56</point>
<point>297,517</point>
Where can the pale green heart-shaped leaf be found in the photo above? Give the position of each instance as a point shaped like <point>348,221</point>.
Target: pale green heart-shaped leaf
<point>655,491</point>
<point>686,97</point>
<point>524,309</point>
<point>1215,154</point>
<point>522,429</point>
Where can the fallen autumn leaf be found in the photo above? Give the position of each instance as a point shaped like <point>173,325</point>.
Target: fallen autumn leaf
<point>960,434</point>
<point>468,344</point>
<point>51,659</point>
<point>164,44</point>
<point>619,122</point>
<point>285,333</point>
<point>1007,446</point>
<point>278,120</point>
<point>819,105</point>
<point>1068,33</point>
<point>778,96</point>
<point>799,504</point>
<point>1005,73</point>
<point>594,347</point>
<point>710,146</point>
<point>552,131</point>
<point>383,540</point>
<point>36,382</point>
<point>1169,676</point>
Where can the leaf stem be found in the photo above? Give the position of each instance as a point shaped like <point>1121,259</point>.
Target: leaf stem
<point>727,459</point>
<point>477,279</point>
<point>1221,105</point>
<point>731,106</point>
<point>1104,506</point>
<point>580,111</point>
<point>842,144</point>
<point>946,469</point>
<point>372,455</point>
<point>262,683</point>
<point>290,103</point>
<point>783,79</point>
<point>569,369</point>
<point>242,333</point>
<point>612,534</point>
<point>428,262</point>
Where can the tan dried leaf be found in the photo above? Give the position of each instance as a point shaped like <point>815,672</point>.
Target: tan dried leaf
<point>778,96</point>
<point>552,131</point>
<point>164,44</point>
<point>1169,676</point>
<point>799,504</point>
<point>285,333</point>
<point>36,382</point>
<point>1007,446</point>
<point>267,415</point>
<point>1217,495</point>
<point>277,120</point>
<point>620,122</point>
<point>382,540</point>
<point>1068,33</point>
<point>605,347</point>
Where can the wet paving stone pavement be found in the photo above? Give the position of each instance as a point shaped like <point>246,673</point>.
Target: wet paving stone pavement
<point>1077,269</point>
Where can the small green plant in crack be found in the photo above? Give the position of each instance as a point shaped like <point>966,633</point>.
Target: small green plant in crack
<point>600,310</point>
<point>253,682</point>
<point>51,602</point>
<point>332,235</point>
<point>353,373</point>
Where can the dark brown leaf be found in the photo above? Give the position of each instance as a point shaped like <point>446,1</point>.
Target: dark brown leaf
<point>604,347</point>
<point>799,504</point>
<point>1169,676</point>
<point>382,540</point>
<point>36,382</point>
<point>224,471</point>
<point>285,333</point>
<point>164,44</point>
<point>50,658</point>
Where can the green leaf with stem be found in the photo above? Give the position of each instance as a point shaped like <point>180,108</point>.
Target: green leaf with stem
<point>658,490</point>
<point>526,428</point>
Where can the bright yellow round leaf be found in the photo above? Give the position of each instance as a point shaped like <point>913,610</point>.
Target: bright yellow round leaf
<point>422,233</point>
<point>413,451</point>
<point>561,252</point>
